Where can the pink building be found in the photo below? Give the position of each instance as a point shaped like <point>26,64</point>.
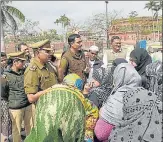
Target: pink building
<point>137,28</point>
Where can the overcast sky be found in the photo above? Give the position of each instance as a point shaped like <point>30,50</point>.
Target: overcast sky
<point>46,12</point>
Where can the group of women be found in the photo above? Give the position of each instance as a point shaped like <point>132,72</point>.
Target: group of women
<point>123,103</point>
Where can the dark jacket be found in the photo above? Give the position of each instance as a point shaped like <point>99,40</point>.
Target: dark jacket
<point>14,87</point>
<point>97,64</point>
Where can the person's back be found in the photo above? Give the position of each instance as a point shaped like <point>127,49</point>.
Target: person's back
<point>154,78</point>
<point>141,121</point>
<point>53,117</point>
<point>63,114</point>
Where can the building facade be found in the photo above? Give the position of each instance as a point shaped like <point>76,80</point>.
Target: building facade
<point>137,28</point>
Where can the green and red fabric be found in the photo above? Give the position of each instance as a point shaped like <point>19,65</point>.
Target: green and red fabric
<point>63,115</point>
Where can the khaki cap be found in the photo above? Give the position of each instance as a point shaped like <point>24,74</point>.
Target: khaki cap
<point>40,44</point>
<point>17,55</point>
<point>58,55</point>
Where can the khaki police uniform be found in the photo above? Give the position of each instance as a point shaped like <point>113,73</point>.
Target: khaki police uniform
<point>38,77</point>
<point>20,109</point>
<point>18,55</point>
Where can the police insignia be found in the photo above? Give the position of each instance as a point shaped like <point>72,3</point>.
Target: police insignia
<point>33,68</point>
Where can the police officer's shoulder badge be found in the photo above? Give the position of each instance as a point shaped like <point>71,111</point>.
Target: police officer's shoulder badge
<point>33,68</point>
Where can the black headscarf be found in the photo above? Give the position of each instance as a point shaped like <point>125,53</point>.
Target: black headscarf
<point>116,62</point>
<point>141,58</point>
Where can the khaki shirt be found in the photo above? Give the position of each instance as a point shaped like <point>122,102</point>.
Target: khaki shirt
<point>38,77</point>
<point>110,56</point>
<point>71,63</point>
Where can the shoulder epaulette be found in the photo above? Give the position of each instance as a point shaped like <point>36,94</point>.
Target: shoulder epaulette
<point>33,68</point>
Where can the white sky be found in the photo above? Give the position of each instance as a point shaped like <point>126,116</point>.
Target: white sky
<point>46,12</point>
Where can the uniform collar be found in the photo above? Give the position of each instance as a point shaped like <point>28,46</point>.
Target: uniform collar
<point>16,73</point>
<point>116,52</point>
<point>34,60</point>
<point>76,56</point>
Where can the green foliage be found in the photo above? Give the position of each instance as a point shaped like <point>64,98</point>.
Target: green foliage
<point>10,15</point>
<point>53,36</point>
<point>64,20</point>
<point>146,32</point>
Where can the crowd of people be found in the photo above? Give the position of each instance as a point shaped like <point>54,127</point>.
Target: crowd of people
<point>80,97</point>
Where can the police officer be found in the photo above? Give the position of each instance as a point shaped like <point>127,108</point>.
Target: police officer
<point>19,107</point>
<point>73,60</point>
<point>39,75</point>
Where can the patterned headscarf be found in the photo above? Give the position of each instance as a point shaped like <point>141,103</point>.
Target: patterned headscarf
<point>142,119</point>
<point>125,77</point>
<point>105,78</point>
<point>154,77</point>
<point>73,80</point>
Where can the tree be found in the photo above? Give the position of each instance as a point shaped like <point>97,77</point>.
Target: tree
<point>28,28</point>
<point>9,17</point>
<point>155,7</point>
<point>97,23</point>
<point>133,14</point>
<point>132,20</point>
<point>64,21</point>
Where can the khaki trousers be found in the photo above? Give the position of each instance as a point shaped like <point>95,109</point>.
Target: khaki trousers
<point>17,117</point>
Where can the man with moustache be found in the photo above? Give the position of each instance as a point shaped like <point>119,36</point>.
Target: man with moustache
<point>23,47</point>
<point>73,60</point>
<point>115,52</point>
<point>39,75</point>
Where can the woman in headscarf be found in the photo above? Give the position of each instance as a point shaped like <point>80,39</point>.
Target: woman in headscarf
<point>130,113</point>
<point>101,85</point>
<point>63,114</point>
<point>154,78</point>
<point>140,58</point>
<point>116,62</point>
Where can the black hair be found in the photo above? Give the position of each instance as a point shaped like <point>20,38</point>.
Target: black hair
<point>3,54</point>
<point>63,53</point>
<point>18,47</point>
<point>10,61</point>
<point>72,37</point>
<point>114,37</point>
<point>53,58</point>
